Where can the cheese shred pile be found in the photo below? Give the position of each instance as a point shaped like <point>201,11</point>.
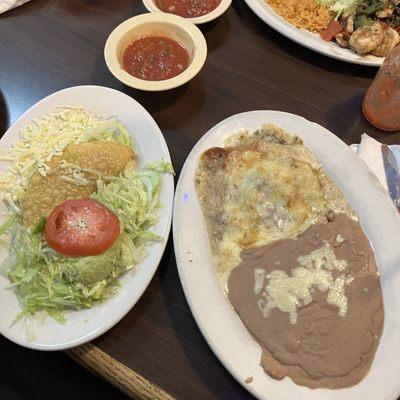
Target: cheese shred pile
<point>47,137</point>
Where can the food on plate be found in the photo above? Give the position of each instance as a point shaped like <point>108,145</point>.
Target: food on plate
<point>73,175</point>
<point>187,8</point>
<point>155,58</point>
<point>244,201</point>
<point>313,303</point>
<point>381,104</point>
<point>366,38</point>
<point>365,26</point>
<point>368,26</point>
<point>78,211</point>
<point>292,258</point>
<point>81,227</point>
<point>304,14</point>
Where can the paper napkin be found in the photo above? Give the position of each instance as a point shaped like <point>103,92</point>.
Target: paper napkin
<point>369,151</point>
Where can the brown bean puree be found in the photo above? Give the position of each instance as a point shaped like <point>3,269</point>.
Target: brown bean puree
<point>325,331</point>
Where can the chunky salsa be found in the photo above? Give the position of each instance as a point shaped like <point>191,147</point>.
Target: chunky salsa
<point>188,8</point>
<point>155,58</point>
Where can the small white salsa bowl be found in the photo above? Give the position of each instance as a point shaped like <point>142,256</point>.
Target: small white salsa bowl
<point>222,7</point>
<point>160,24</point>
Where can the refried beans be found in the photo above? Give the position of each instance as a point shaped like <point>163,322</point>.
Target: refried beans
<point>329,338</point>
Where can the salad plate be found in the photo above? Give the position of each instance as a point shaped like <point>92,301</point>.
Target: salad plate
<point>86,324</point>
<point>308,39</point>
<point>221,326</point>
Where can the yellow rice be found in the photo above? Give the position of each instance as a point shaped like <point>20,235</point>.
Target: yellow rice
<point>304,14</point>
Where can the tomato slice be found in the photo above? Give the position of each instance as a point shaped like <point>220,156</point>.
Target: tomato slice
<point>81,227</point>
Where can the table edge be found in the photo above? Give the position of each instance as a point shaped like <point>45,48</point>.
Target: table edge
<point>116,373</point>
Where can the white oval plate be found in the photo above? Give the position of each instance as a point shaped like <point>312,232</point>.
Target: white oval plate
<point>85,325</point>
<point>221,326</point>
<point>309,39</point>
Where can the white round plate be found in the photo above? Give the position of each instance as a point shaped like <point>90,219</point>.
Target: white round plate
<point>85,325</point>
<point>309,39</point>
<point>221,326</point>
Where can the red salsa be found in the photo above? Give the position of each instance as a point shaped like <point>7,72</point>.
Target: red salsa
<point>187,8</point>
<point>155,58</point>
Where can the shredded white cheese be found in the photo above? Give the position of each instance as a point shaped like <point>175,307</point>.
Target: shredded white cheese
<point>44,138</point>
<point>76,175</point>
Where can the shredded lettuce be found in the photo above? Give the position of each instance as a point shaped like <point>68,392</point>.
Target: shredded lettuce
<point>109,129</point>
<point>341,7</point>
<point>46,281</point>
<point>134,198</point>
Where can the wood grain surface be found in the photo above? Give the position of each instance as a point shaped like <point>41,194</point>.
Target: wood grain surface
<point>94,359</point>
<point>47,45</point>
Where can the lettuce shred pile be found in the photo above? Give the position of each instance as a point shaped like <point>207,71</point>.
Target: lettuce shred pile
<point>341,7</point>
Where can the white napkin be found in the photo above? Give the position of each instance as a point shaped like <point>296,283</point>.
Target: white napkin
<point>6,5</point>
<point>369,151</point>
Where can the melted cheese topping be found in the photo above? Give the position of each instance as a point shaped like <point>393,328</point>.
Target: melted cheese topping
<point>315,271</point>
<point>260,188</point>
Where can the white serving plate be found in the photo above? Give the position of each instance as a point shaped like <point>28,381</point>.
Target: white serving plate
<point>221,326</point>
<point>309,39</point>
<point>85,325</point>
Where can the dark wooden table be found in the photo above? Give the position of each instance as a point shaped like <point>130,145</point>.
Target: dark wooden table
<point>47,45</point>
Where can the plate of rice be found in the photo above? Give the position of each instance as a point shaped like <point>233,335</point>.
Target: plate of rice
<point>303,21</point>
